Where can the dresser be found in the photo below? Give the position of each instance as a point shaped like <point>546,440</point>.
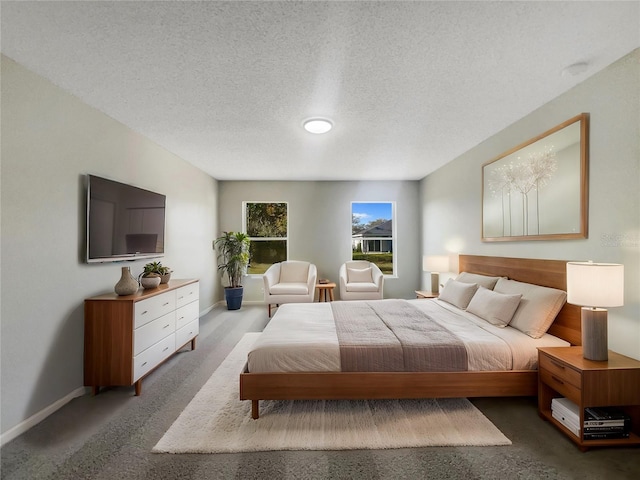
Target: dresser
<point>563,372</point>
<point>126,337</point>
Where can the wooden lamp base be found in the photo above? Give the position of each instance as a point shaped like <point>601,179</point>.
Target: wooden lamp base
<point>594,334</point>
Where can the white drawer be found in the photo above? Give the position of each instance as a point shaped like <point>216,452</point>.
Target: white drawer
<point>186,333</point>
<point>187,314</point>
<point>153,332</point>
<point>154,307</point>
<point>187,294</point>
<point>153,356</point>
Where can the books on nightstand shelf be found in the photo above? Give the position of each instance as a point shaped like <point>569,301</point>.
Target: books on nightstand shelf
<point>606,422</point>
<point>599,422</point>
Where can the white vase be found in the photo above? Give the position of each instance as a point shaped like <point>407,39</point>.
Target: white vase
<point>150,282</point>
<point>127,285</point>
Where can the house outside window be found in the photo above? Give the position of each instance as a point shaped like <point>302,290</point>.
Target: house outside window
<point>372,234</point>
<point>266,224</point>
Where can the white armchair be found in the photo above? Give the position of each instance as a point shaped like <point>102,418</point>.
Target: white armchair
<point>291,281</point>
<point>360,280</point>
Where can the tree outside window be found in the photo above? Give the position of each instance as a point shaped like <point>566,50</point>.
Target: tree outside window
<point>266,223</point>
<point>372,233</point>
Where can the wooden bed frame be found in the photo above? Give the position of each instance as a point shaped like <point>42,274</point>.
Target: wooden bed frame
<point>398,385</point>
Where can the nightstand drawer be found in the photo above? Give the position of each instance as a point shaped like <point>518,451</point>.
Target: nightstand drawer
<point>561,386</point>
<point>561,371</point>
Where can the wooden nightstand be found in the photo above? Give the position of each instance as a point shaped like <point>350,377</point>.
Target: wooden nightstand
<point>563,372</point>
<point>425,294</point>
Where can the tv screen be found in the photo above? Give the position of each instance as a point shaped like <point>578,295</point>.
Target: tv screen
<point>123,222</point>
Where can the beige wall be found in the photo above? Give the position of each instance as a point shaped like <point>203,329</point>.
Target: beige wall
<point>450,197</point>
<point>50,140</point>
<point>320,224</point>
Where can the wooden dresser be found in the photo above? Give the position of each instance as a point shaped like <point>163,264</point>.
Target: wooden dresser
<point>126,337</point>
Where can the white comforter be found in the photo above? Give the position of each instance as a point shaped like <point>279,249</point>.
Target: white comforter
<point>302,338</point>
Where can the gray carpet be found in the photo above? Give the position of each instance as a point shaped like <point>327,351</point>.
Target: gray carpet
<point>110,436</point>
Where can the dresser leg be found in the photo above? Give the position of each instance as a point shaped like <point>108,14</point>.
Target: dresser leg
<point>255,409</point>
<point>138,386</point>
<point>95,389</point>
<point>193,343</point>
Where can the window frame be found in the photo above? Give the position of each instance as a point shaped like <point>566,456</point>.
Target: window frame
<point>394,233</point>
<point>263,239</point>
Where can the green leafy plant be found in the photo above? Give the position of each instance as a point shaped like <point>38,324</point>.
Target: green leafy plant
<point>233,256</point>
<point>155,268</point>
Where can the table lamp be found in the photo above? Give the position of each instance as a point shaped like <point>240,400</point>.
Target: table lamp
<point>435,264</point>
<point>593,286</point>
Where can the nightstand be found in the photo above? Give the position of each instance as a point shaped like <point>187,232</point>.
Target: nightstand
<point>425,294</point>
<point>563,372</point>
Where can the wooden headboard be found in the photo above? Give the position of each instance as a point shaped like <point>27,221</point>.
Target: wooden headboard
<point>546,273</point>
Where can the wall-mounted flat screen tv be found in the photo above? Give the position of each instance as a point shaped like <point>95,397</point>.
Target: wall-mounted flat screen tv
<point>123,222</point>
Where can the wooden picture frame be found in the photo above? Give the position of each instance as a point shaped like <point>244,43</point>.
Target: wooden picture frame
<point>539,189</point>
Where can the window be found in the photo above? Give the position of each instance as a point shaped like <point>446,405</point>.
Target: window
<point>266,225</point>
<point>372,234</point>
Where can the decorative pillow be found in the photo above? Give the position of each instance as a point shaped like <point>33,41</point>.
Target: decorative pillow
<point>482,280</point>
<point>538,306</point>
<point>458,293</point>
<point>359,275</point>
<point>496,308</point>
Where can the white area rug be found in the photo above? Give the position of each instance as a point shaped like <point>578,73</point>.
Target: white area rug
<point>216,421</point>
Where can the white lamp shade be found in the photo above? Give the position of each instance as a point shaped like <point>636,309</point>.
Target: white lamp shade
<point>595,284</point>
<point>435,263</point>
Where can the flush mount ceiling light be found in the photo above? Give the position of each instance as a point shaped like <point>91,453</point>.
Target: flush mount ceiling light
<point>317,125</point>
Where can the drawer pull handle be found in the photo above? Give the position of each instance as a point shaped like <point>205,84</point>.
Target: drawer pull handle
<point>166,325</point>
<point>558,365</point>
<point>143,364</point>
<point>143,313</point>
<point>181,297</point>
<point>181,318</point>
<point>165,304</point>
<point>556,379</point>
<point>190,333</point>
<point>165,349</point>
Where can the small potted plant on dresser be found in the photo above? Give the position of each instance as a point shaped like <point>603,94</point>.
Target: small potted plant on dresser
<point>154,274</point>
<point>233,260</point>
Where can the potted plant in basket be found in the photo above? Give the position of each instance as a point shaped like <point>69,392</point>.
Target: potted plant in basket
<point>233,259</point>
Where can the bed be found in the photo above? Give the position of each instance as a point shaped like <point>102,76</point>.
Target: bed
<point>327,384</point>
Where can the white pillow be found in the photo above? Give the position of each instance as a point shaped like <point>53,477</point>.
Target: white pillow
<point>538,306</point>
<point>496,308</point>
<point>482,280</point>
<point>458,293</point>
<point>359,275</point>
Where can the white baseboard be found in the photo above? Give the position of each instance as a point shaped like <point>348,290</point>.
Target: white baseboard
<point>33,420</point>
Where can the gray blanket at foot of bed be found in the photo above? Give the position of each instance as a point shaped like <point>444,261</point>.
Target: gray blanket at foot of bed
<point>394,336</point>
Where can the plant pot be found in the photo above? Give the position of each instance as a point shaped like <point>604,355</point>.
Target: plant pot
<point>150,282</point>
<point>233,296</point>
<point>165,278</point>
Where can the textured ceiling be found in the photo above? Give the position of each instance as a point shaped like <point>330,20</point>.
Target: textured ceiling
<point>226,85</point>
